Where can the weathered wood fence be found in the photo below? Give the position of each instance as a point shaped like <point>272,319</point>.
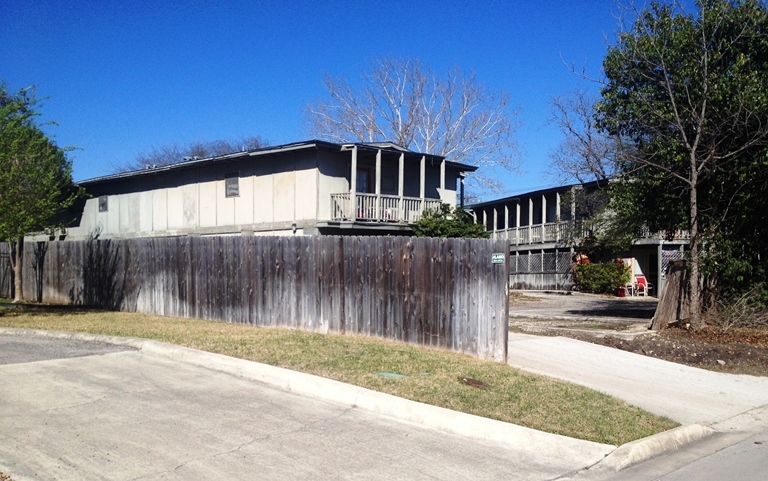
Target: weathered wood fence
<point>674,302</point>
<point>445,293</point>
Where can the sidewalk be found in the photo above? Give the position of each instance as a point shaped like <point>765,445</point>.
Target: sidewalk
<point>682,393</point>
<point>705,403</point>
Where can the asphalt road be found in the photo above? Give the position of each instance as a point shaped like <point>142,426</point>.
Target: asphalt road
<point>82,411</point>
<point>17,349</point>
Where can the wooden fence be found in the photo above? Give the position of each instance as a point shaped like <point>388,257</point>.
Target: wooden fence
<point>445,293</point>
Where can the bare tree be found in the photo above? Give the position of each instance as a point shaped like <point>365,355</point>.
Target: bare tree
<point>587,152</point>
<point>405,102</point>
<point>174,153</point>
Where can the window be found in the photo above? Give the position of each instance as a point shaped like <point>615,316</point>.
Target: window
<point>363,184</point>
<point>232,184</point>
<point>103,203</point>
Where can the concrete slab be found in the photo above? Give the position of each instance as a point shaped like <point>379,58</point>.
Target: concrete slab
<point>134,414</point>
<point>685,394</point>
<point>583,307</point>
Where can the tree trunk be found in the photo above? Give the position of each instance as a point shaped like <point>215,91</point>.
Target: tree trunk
<point>694,280</point>
<point>17,261</point>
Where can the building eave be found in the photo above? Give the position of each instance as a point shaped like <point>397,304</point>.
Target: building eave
<point>239,156</point>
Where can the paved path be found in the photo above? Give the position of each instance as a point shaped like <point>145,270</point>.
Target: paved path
<point>723,415</point>
<point>158,414</point>
<point>682,393</point>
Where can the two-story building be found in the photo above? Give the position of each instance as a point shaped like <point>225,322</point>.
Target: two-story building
<point>309,188</point>
<point>541,227</point>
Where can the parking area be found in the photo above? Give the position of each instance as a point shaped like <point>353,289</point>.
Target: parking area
<point>532,311</point>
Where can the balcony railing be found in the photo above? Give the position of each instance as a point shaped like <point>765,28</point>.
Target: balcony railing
<point>677,235</point>
<point>534,234</point>
<point>559,232</point>
<point>380,208</point>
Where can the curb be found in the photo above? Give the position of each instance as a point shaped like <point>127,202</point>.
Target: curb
<point>644,449</point>
<point>355,397</point>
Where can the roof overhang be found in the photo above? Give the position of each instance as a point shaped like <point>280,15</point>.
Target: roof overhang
<point>305,145</point>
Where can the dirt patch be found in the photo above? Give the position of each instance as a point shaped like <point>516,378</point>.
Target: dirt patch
<point>612,322</point>
<point>736,353</point>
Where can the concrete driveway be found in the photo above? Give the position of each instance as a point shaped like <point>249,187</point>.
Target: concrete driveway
<point>583,307</point>
<point>132,414</point>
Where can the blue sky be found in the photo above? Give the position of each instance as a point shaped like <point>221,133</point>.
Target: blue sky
<point>125,76</point>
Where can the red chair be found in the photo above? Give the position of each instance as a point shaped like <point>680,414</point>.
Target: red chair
<point>643,287</point>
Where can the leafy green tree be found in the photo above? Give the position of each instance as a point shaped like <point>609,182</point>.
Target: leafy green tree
<point>35,176</point>
<point>449,222</point>
<point>596,230</point>
<point>687,93</point>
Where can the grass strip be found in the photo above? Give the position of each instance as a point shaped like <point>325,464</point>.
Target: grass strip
<point>431,376</point>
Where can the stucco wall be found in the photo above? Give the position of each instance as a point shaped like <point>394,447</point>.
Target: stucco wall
<point>272,196</point>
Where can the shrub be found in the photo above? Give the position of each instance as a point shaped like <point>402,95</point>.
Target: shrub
<point>602,277</point>
<point>447,222</point>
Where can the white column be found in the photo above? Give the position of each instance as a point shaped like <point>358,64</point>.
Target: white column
<point>442,175</point>
<point>422,175</point>
<point>574,233</point>
<point>558,220</point>
<point>353,185</point>
<point>378,185</point>
<point>530,211</point>
<point>400,175</point>
<point>495,219</point>
<point>660,280</point>
<point>544,233</point>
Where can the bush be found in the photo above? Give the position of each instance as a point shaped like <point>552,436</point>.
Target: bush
<point>447,222</point>
<point>602,277</point>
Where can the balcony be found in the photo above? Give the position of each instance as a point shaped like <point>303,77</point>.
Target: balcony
<point>534,234</point>
<point>380,208</point>
<point>562,232</point>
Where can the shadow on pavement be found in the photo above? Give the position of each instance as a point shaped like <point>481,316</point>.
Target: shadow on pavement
<point>618,308</point>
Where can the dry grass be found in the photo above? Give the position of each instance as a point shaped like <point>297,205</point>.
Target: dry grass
<point>432,376</point>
